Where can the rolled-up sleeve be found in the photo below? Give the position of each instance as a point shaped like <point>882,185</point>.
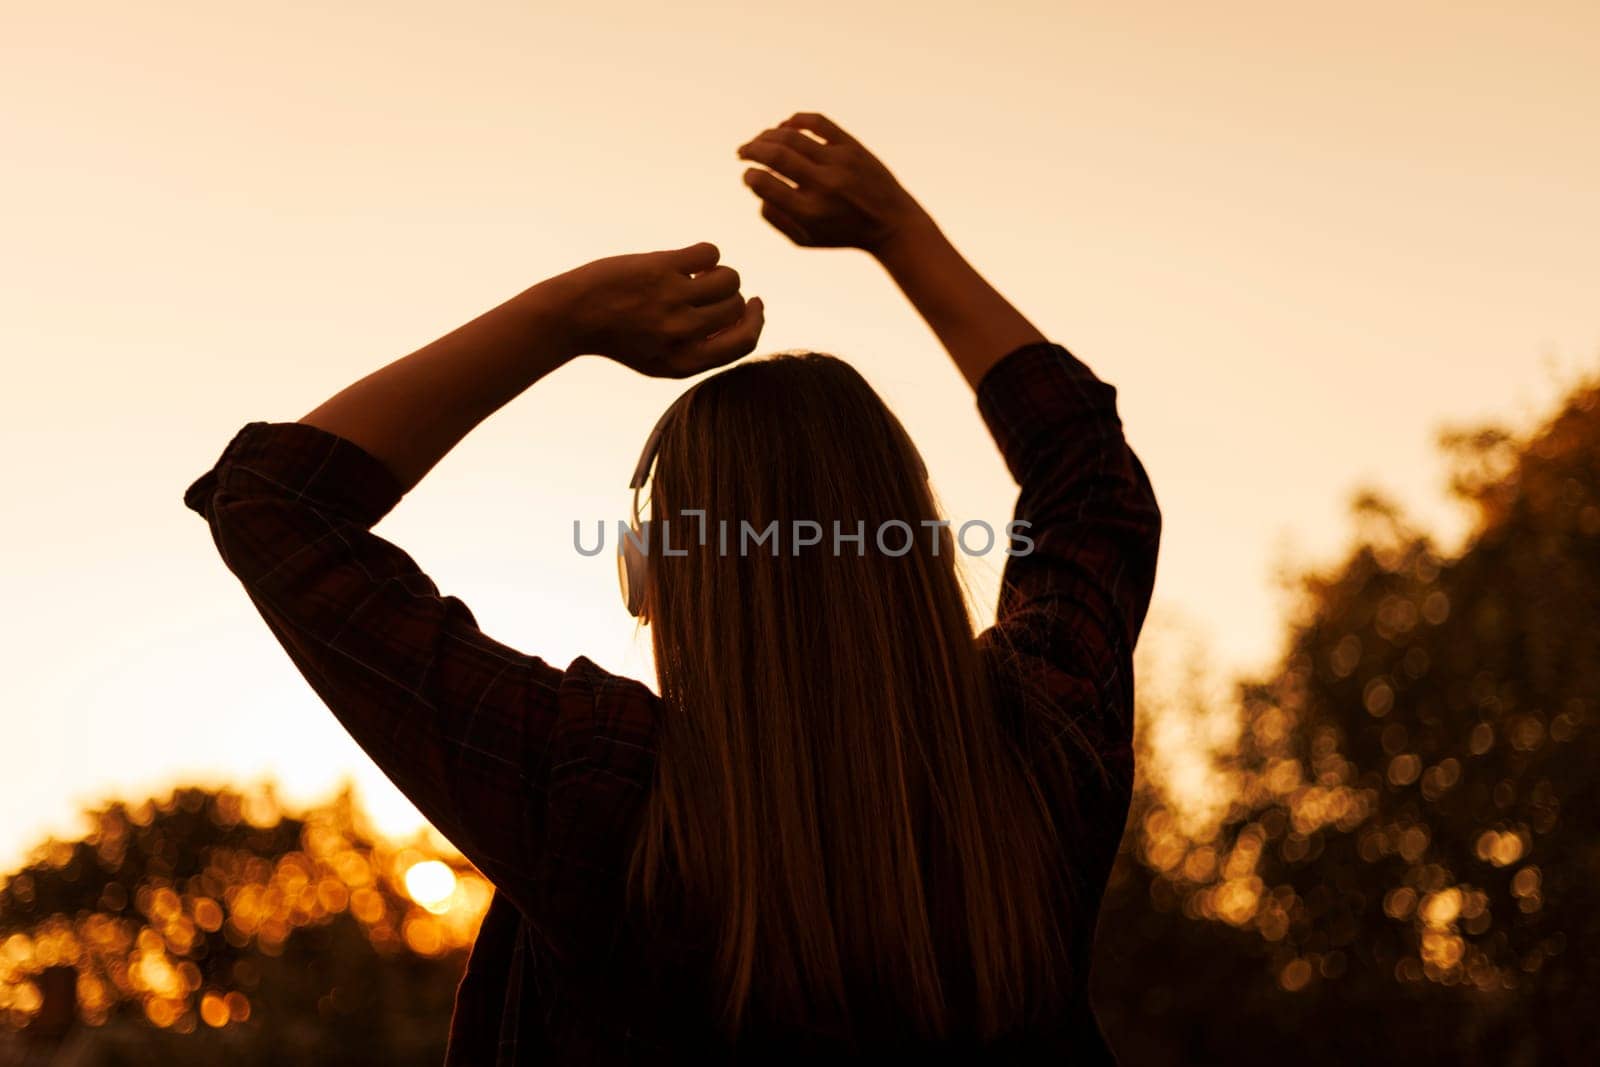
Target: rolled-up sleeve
<point>1078,599</point>
<point>458,721</point>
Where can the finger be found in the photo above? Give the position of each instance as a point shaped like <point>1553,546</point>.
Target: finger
<point>809,147</point>
<point>786,224</point>
<point>707,320</point>
<point>773,191</point>
<point>694,258</point>
<point>726,345</point>
<point>713,285</point>
<point>810,120</point>
<point>786,161</point>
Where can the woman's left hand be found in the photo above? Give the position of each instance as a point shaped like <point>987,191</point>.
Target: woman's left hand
<point>667,314</point>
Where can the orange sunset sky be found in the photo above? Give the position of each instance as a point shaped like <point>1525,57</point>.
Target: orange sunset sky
<point>1299,239</point>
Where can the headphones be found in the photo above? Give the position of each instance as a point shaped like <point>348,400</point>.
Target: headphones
<point>633,565</point>
<point>633,561</point>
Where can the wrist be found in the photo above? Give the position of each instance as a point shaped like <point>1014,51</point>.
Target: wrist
<point>549,311</point>
<point>910,241</point>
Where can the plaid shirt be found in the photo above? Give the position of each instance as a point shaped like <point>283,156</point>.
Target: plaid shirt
<point>536,773</point>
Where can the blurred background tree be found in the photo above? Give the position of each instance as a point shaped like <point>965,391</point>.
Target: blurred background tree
<point>1405,869</point>
<point>1385,852</point>
<point>212,927</point>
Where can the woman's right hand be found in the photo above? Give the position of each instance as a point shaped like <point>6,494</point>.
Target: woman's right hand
<point>842,196</point>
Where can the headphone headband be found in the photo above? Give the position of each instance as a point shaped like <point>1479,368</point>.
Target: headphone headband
<point>652,444</point>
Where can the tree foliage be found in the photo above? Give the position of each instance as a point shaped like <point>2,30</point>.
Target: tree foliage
<point>1407,870</point>
<point>211,925</point>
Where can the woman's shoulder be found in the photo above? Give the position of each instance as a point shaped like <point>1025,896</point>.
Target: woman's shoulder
<point>605,719</point>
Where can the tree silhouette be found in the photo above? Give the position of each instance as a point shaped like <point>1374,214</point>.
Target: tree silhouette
<point>1407,872</point>
<point>213,925</point>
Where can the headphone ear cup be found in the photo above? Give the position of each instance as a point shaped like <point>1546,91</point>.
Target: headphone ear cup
<point>634,569</point>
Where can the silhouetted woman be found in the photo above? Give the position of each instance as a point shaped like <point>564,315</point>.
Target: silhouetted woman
<point>848,825</point>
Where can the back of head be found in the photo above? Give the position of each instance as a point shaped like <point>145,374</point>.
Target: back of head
<point>834,799</point>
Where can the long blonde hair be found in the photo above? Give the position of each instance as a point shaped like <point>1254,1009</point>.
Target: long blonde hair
<point>835,801</point>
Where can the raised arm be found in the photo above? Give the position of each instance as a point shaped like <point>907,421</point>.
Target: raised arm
<point>458,721</point>
<point>1079,598</point>
<point>667,314</point>
<point>846,198</point>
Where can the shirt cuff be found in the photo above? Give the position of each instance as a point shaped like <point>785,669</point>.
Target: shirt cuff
<point>304,463</point>
<point>1033,392</point>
